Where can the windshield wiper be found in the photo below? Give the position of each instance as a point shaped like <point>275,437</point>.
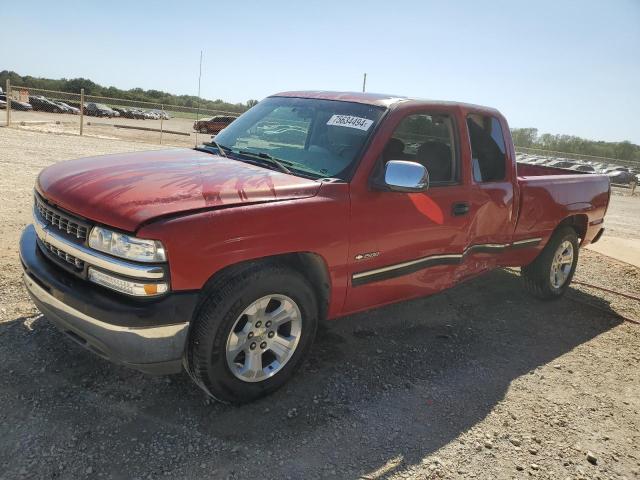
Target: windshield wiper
<point>265,156</point>
<point>260,156</point>
<point>221,148</point>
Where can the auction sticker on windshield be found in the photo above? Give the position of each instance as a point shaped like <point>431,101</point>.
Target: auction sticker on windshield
<point>350,121</point>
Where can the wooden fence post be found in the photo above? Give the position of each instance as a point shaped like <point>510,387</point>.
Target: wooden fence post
<point>8,102</point>
<point>81,110</point>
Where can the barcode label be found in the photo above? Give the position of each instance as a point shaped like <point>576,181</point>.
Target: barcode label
<point>351,122</point>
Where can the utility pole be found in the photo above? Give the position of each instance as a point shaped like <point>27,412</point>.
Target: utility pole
<point>198,110</point>
<point>364,83</point>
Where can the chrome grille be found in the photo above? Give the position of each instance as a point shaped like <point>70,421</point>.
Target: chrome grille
<point>76,263</point>
<point>60,220</point>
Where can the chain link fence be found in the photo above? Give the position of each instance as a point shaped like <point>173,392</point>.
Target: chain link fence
<point>105,117</point>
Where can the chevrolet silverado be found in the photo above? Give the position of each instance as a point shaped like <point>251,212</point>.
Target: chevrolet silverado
<point>223,259</point>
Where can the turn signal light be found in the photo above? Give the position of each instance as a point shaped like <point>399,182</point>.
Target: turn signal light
<point>129,287</point>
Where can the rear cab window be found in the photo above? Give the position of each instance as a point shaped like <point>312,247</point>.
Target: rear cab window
<point>488,151</point>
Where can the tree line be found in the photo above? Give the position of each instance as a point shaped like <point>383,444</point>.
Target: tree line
<point>529,138</point>
<point>74,85</point>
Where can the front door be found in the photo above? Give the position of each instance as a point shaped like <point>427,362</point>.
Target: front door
<point>404,245</point>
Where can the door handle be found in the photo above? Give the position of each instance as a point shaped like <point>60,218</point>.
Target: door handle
<point>460,208</point>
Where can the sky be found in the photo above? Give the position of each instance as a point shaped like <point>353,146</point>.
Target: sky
<point>562,66</point>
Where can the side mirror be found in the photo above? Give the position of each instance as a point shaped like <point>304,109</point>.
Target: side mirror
<point>404,176</point>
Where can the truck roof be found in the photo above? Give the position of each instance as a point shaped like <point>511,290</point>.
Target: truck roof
<point>378,99</point>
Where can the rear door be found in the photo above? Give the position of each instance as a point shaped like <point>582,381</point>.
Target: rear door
<point>491,192</point>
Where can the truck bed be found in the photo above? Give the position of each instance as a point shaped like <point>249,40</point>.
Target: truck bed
<point>549,194</point>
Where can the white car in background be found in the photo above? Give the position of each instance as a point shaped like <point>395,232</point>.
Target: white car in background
<point>160,114</point>
<point>584,167</point>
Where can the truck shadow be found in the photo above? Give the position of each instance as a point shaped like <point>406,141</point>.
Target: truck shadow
<point>381,390</point>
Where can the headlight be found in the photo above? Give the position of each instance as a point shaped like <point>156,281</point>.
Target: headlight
<point>123,285</point>
<point>124,246</point>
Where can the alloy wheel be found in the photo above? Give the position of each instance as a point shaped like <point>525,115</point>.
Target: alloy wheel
<point>264,338</point>
<point>561,264</point>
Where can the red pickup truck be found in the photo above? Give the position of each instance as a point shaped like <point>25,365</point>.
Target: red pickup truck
<point>310,206</point>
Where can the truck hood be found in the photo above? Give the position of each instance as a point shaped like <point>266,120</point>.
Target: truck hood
<point>127,190</point>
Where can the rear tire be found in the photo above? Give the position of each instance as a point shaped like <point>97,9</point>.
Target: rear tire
<point>230,336</point>
<point>550,274</point>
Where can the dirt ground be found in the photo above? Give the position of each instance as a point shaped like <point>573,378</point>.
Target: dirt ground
<point>481,381</point>
<point>622,239</point>
<point>623,216</point>
<point>178,131</point>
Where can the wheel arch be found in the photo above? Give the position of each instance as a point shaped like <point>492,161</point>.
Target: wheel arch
<point>311,266</point>
<point>579,222</point>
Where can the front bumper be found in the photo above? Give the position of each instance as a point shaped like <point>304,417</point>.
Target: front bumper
<point>149,336</point>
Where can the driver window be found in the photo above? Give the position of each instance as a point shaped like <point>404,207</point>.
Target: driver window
<point>428,140</point>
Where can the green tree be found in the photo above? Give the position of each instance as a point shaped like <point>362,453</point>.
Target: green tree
<point>135,94</point>
<point>529,138</point>
<point>524,137</point>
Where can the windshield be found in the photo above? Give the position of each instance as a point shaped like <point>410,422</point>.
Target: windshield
<point>318,137</point>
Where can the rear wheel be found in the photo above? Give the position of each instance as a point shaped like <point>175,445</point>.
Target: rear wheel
<point>252,333</point>
<point>550,274</point>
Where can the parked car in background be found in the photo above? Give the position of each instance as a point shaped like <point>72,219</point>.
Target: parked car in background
<point>540,161</point>
<point>213,125</point>
<point>224,259</point>
<point>560,163</point>
<point>68,108</point>
<point>99,110</point>
<point>63,107</point>
<point>161,114</point>
<point>148,115</point>
<point>617,173</point>
<point>137,114</point>
<point>3,105</point>
<point>583,168</point>
<point>127,113</point>
<point>15,105</point>
<point>40,103</point>
<point>622,177</point>
<point>615,168</point>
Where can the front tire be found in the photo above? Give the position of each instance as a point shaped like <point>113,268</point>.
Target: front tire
<point>549,275</point>
<point>251,333</point>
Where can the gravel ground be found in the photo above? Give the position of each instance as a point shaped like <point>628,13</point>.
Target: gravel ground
<point>48,122</point>
<point>623,216</point>
<point>481,381</point>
